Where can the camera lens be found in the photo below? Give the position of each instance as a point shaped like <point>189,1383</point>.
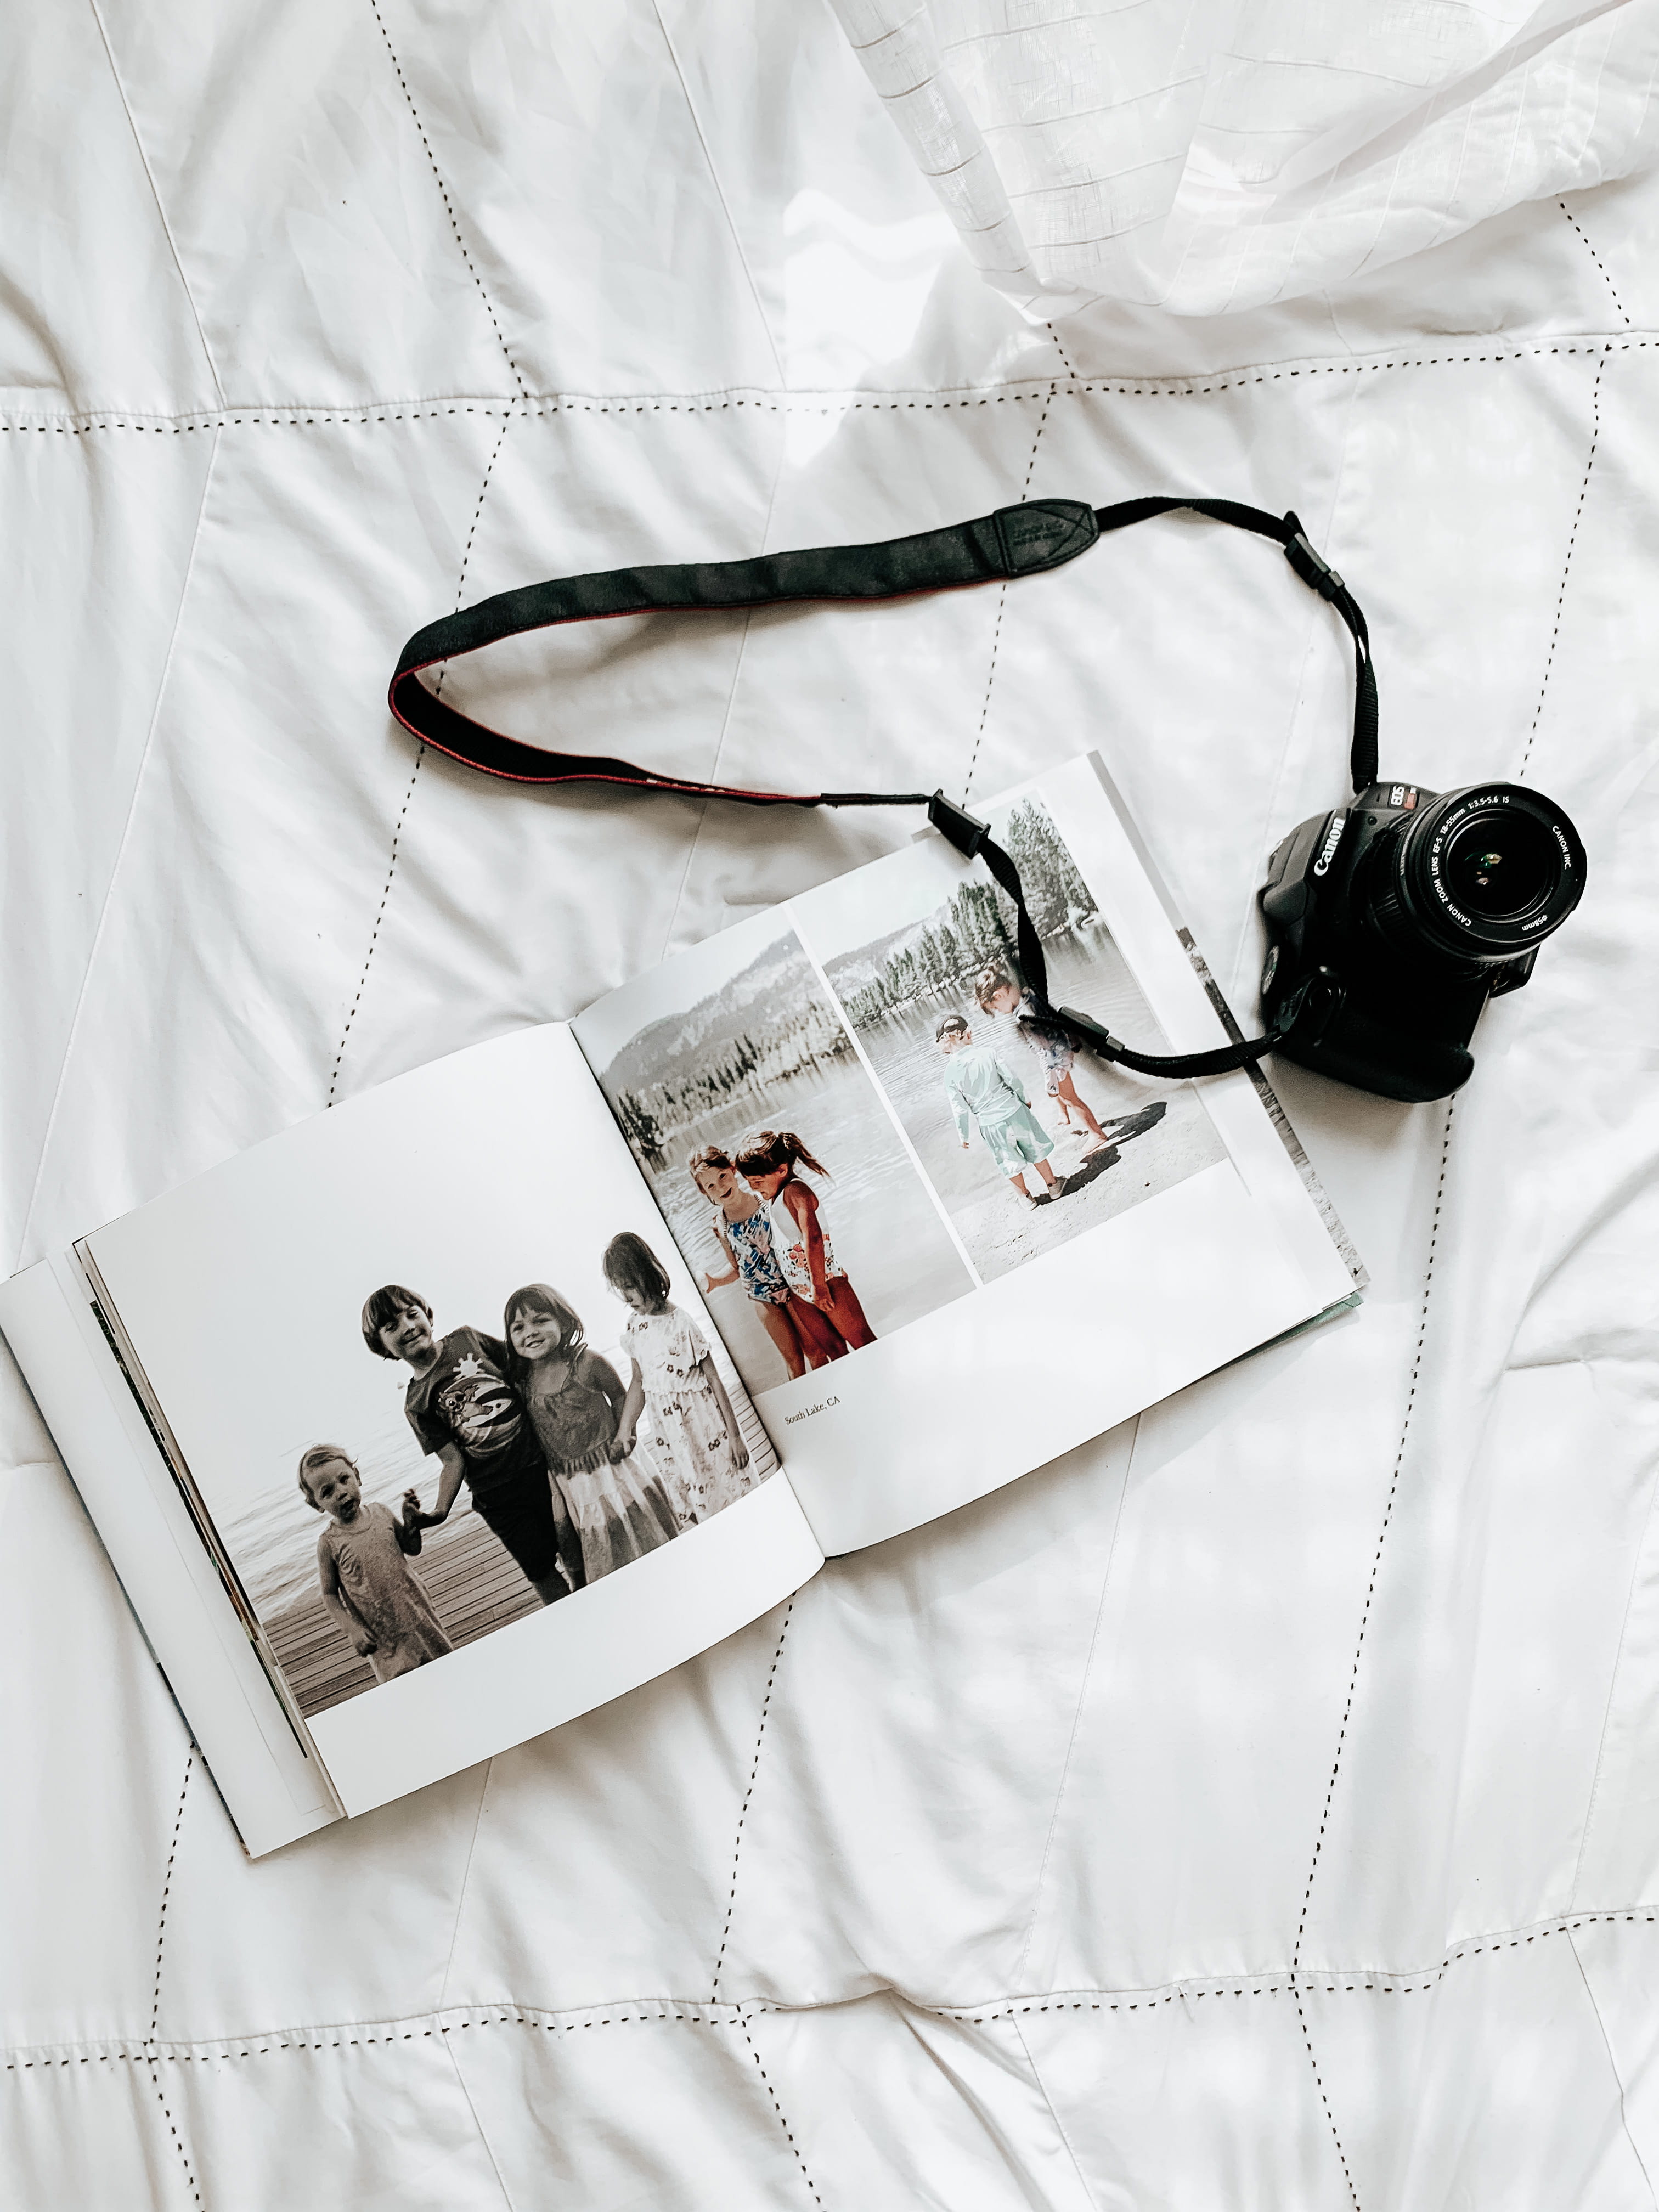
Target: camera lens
<point>1475,875</point>
<point>1501,870</point>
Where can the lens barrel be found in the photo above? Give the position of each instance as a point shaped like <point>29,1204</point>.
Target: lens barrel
<point>1480,874</point>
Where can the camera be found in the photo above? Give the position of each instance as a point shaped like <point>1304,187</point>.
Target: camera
<point>1391,920</point>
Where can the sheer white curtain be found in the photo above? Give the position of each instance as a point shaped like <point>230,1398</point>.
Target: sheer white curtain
<point>1211,155</point>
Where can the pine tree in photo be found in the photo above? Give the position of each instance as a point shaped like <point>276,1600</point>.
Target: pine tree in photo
<point>1055,893</point>
<point>926,954</point>
<point>639,1124</point>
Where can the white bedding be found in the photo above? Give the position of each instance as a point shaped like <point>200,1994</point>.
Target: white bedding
<point>1259,1808</point>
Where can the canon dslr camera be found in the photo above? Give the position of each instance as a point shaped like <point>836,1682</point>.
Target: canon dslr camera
<point>1391,920</point>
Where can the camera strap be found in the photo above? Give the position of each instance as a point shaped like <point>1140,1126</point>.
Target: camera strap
<point>1013,541</point>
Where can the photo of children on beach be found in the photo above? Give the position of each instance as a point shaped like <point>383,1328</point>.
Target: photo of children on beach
<point>532,1463</point>
<point>768,1150</point>
<point>1028,1141</point>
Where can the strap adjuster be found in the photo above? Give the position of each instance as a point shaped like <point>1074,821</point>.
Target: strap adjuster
<point>1311,564</point>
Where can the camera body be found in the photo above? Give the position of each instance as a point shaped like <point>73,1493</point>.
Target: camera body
<point>1391,920</point>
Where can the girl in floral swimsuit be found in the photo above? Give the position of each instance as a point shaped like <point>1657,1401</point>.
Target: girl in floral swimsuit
<point>743,1228</point>
<point>767,1161</point>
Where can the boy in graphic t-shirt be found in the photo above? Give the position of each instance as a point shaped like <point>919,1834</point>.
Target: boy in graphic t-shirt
<point>462,1408</point>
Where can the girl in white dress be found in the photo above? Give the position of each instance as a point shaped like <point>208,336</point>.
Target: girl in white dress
<point>697,1443</point>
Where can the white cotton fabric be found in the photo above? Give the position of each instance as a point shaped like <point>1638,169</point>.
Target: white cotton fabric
<point>1256,1808</point>
<point>1209,156</point>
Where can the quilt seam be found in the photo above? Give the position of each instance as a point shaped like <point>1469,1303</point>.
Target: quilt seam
<point>1359,1645</point>
<point>1566,565</point>
<point>762,316</point>
<point>1612,288</point>
<point>1612,2069</point>
<point>1325,2102</point>
<point>789,2133</point>
<point>409,789</point>
<point>1383,1533</point>
<point>363,414</point>
<point>742,1810</point>
<point>1039,1885</point>
<point>696,838</point>
<point>155,193</point>
<point>443,193</point>
<point>641,2011</point>
<point>1002,601</point>
<point>1049,2107</point>
<point>151,2050</point>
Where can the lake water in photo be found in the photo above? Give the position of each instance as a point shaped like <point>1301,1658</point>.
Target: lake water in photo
<point>1161,1133</point>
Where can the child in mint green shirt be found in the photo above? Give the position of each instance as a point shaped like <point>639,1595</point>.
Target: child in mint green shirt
<point>980,1088</point>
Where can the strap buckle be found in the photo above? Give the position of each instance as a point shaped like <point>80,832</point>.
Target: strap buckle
<point>1311,564</point>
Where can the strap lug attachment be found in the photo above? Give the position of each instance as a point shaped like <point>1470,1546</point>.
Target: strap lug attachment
<point>1310,564</point>
<point>965,831</point>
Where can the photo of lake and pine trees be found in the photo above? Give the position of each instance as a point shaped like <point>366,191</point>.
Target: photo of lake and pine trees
<point>1108,1139</point>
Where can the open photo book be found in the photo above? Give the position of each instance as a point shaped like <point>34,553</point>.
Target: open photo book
<point>488,1395</point>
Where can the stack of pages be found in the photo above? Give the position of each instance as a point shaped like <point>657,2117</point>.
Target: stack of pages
<point>485,1397</point>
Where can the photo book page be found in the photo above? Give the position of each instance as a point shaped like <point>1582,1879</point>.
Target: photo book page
<point>457,1411</point>
<point>942,1245</point>
<point>452,1413</point>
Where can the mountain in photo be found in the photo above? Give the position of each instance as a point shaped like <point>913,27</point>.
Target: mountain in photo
<point>776,988</point>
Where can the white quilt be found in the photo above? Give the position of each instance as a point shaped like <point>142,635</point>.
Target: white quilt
<point>1257,1809</point>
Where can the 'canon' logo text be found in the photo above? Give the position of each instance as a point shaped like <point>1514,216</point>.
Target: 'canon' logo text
<point>1333,839</point>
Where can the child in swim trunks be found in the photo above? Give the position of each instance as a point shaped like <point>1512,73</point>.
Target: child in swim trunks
<point>980,1088</point>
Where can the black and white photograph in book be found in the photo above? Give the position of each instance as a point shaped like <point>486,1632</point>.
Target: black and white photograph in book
<point>574,1459</point>
<point>771,1153</point>
<point>1028,1141</point>
<point>494,1388</point>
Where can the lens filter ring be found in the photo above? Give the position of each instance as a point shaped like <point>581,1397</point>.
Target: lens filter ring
<point>1487,872</point>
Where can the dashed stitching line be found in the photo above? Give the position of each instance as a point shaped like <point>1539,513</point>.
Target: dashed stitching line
<point>409,789</point>
<point>778,2109</point>
<point>177,2140</point>
<point>1002,601</point>
<point>1319,2084</point>
<point>1060,349</point>
<point>1277,1982</point>
<point>742,1811</point>
<point>150,2054</point>
<point>1566,565</point>
<point>1383,1533</point>
<point>167,1887</point>
<point>443,190</point>
<point>85,423</point>
<point>379,916</point>
<point>1271,1983</point>
<point>1597,259</point>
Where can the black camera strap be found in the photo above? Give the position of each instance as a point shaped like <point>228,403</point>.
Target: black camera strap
<point>1014,542</point>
